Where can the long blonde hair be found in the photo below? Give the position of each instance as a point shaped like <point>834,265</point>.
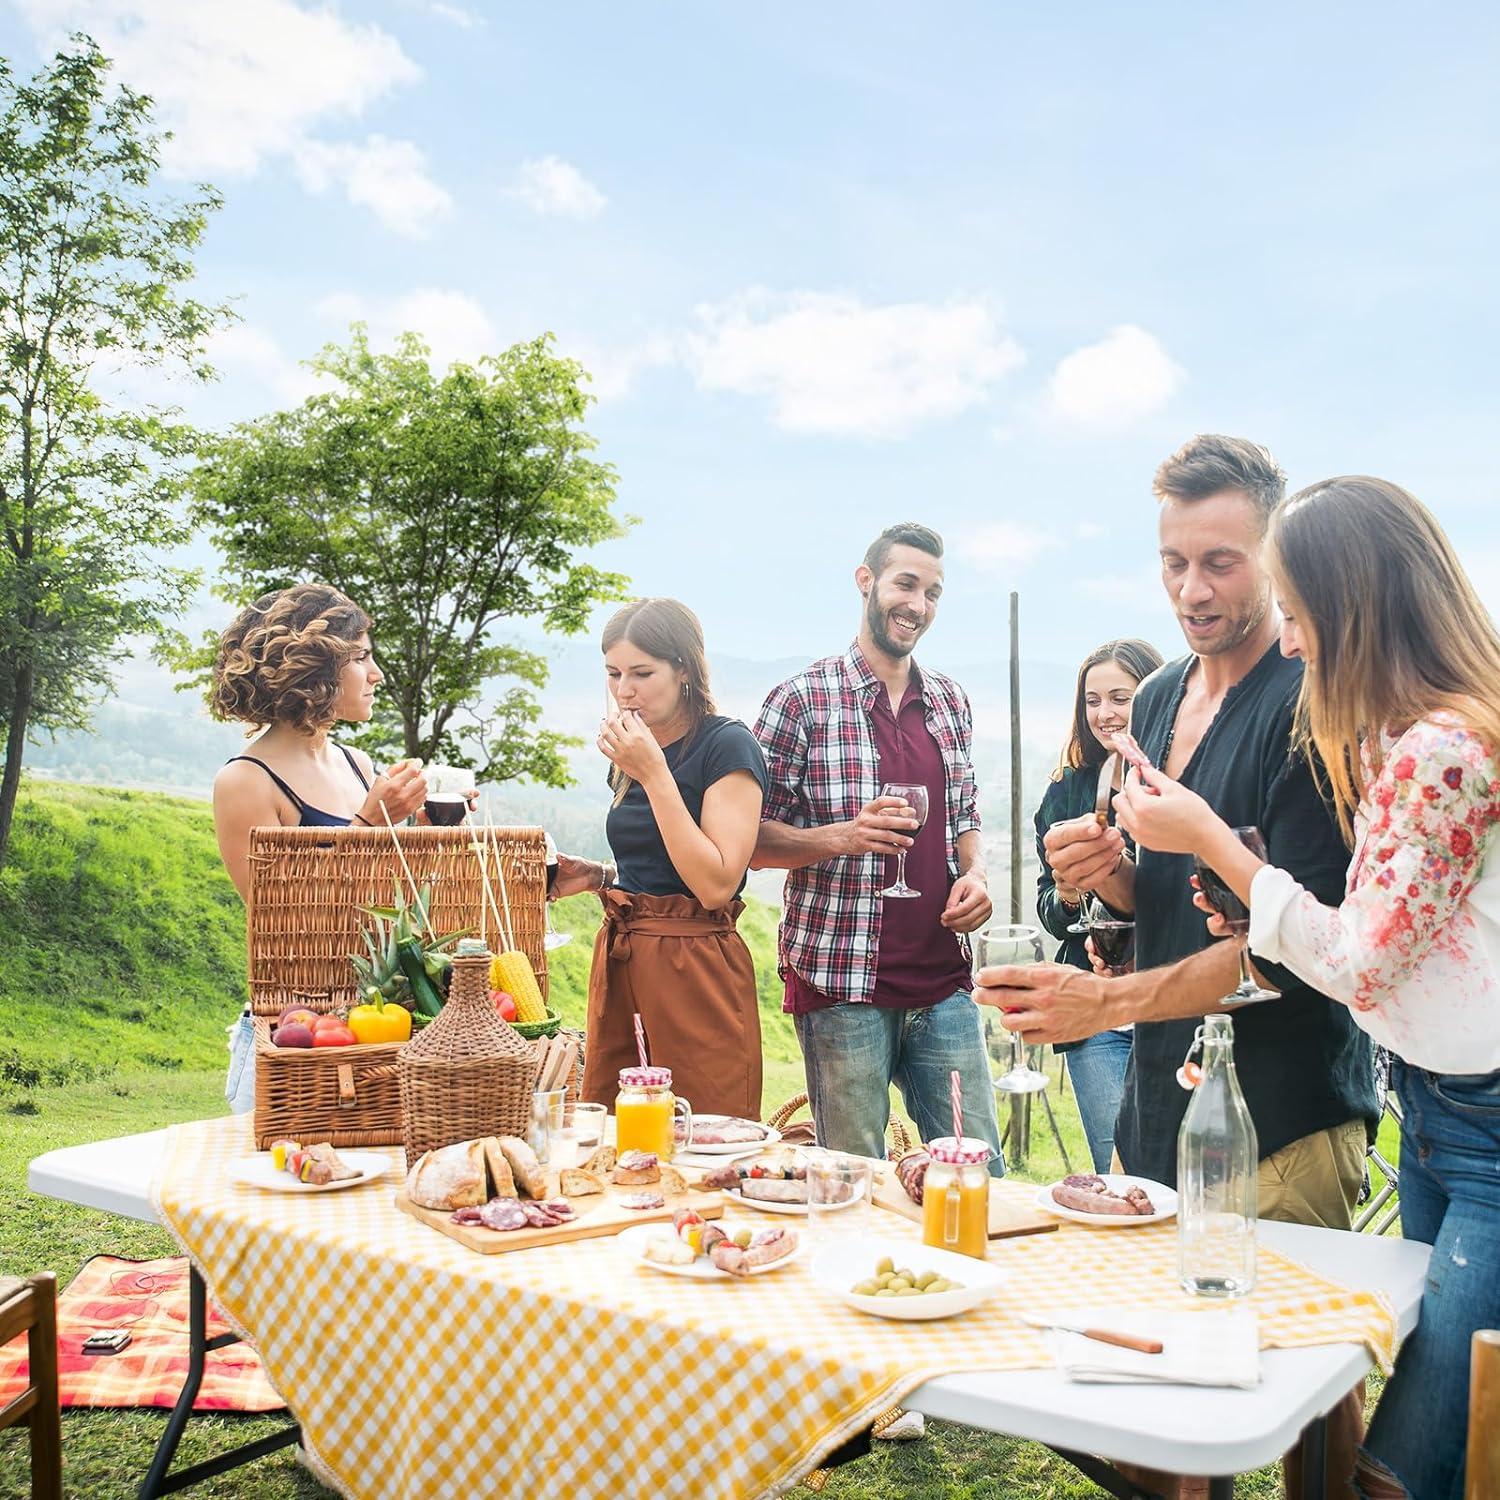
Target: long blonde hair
<point>1396,629</point>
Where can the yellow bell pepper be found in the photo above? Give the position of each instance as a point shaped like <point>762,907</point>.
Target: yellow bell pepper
<point>379,1022</point>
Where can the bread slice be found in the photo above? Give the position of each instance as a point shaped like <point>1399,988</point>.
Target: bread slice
<point>602,1162</point>
<point>531,1176</point>
<point>576,1182</point>
<point>673,1182</point>
<point>450,1178</point>
<point>502,1182</point>
<point>636,1169</point>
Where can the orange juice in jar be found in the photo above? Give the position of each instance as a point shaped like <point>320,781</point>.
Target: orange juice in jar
<point>956,1197</point>
<point>646,1112</point>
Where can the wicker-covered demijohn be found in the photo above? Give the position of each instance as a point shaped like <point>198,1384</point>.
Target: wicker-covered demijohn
<point>468,1074</point>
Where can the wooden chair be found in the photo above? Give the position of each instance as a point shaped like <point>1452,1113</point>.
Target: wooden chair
<point>1482,1479</point>
<point>30,1307</point>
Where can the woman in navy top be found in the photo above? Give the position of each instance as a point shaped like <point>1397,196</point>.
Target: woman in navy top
<point>688,785</point>
<point>292,665</point>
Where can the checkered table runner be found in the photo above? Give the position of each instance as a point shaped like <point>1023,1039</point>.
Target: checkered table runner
<point>419,1368</point>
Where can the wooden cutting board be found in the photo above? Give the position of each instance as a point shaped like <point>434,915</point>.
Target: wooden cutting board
<point>1012,1211</point>
<point>598,1214</point>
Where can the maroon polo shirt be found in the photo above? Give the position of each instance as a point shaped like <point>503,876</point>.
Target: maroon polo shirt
<point>920,961</point>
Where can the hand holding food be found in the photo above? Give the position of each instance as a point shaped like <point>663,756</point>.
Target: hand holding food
<point>402,790</point>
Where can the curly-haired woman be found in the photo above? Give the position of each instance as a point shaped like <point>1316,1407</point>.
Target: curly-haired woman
<point>292,665</point>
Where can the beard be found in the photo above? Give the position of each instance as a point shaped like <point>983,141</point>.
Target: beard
<point>1239,629</point>
<point>875,618</point>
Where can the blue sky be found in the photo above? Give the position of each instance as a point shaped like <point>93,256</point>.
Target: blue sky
<point>843,264</point>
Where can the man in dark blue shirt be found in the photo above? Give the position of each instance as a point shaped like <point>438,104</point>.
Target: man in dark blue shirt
<point>1220,720</point>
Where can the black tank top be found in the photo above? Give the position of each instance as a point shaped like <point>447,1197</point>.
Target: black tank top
<point>311,817</point>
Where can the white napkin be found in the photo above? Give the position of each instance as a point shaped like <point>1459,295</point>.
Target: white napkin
<point>1218,1346</point>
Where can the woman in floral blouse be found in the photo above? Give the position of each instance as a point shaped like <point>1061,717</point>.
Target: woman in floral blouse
<point>1401,703</point>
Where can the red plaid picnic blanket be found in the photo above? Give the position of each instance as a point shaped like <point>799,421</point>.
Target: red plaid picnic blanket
<point>149,1299</point>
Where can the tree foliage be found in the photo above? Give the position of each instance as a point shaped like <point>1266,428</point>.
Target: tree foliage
<point>444,505</point>
<point>93,260</point>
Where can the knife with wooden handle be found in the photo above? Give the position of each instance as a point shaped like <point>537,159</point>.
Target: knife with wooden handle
<point>1106,1336</point>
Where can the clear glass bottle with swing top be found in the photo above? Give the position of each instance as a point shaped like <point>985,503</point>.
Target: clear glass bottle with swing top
<point>1217,1161</point>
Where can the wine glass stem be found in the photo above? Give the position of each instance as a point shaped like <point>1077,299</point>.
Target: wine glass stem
<point>1245,985</point>
<point>900,869</point>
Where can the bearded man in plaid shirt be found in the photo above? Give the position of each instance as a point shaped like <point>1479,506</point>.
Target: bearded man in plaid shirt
<point>879,986</point>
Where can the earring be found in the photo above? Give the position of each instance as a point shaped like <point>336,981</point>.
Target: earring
<point>687,689</point>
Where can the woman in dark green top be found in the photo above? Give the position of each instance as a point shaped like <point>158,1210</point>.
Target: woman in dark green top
<point>1107,681</point>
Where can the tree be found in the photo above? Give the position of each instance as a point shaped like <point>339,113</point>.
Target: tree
<point>442,505</point>
<point>92,260</point>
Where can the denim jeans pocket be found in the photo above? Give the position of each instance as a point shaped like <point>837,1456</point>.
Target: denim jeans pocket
<point>1473,1094</point>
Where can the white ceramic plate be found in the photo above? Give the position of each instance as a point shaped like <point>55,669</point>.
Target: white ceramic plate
<point>700,1269</point>
<point>839,1266</point>
<point>768,1206</point>
<point>1164,1199</point>
<point>257,1171</point>
<point>732,1148</point>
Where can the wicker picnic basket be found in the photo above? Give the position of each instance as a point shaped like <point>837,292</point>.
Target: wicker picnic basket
<point>306,889</point>
<point>468,1074</point>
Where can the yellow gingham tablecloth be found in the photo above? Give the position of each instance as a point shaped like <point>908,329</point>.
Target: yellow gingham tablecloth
<point>419,1368</point>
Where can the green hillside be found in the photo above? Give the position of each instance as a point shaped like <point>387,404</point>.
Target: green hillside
<point>125,941</point>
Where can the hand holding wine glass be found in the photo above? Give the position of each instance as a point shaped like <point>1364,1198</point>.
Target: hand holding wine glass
<point>1235,913</point>
<point>915,797</point>
<point>1012,945</point>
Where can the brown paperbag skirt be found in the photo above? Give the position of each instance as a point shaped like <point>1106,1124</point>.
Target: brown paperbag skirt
<point>689,975</point>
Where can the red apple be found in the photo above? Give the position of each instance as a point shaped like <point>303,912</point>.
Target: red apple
<point>293,1035</point>
<point>504,1004</point>
<point>297,1015</point>
<point>337,1035</point>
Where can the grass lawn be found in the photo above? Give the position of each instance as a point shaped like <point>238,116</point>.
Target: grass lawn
<point>124,964</point>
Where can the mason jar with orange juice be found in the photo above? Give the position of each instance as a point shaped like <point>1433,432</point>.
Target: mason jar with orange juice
<point>646,1112</point>
<point>956,1197</point>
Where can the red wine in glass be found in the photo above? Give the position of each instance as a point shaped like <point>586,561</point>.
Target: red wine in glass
<point>1236,914</point>
<point>1114,942</point>
<point>1223,900</point>
<point>446,809</point>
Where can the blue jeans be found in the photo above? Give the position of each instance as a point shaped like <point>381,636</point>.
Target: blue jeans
<point>239,1084</point>
<point>1450,1199</point>
<point>852,1054</point>
<point>1097,1068</point>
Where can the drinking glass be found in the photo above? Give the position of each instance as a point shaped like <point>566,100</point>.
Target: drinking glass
<point>1236,915</point>
<point>553,938</point>
<point>587,1122</point>
<point>448,789</point>
<point>838,1194</point>
<point>1012,945</point>
<point>1113,938</point>
<point>916,798</point>
<point>548,1139</point>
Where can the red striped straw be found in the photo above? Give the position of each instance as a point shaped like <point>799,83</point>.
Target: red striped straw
<point>956,1091</point>
<point>640,1041</point>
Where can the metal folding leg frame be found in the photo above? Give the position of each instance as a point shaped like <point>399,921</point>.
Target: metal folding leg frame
<point>158,1480</point>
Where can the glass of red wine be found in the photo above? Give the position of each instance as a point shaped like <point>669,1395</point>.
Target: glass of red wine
<point>448,789</point>
<point>1236,914</point>
<point>915,798</point>
<point>1113,938</point>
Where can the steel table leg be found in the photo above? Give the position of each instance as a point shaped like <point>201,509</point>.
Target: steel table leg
<point>158,1480</point>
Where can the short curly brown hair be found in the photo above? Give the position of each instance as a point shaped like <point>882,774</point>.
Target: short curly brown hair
<point>279,662</point>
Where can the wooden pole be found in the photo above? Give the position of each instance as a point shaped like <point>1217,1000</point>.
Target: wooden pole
<point>1015,757</point>
<point>1483,1469</point>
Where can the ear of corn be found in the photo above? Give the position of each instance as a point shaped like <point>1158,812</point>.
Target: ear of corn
<point>511,972</point>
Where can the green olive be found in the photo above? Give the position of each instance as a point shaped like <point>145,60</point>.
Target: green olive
<point>885,1292</point>
<point>926,1279</point>
<point>910,1277</point>
<point>742,1238</point>
<point>885,1266</point>
<point>900,1284</point>
<point>866,1288</point>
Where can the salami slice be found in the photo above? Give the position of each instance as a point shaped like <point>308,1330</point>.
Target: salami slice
<point>642,1202</point>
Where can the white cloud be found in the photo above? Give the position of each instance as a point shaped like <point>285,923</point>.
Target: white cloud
<point>1137,588</point>
<point>549,185</point>
<point>1125,376</point>
<point>245,352</point>
<point>465,20</point>
<point>247,84</point>
<point>1006,547</point>
<point>453,324</point>
<point>387,177</point>
<point>829,363</point>
<point>613,371</point>
<point>1089,531</point>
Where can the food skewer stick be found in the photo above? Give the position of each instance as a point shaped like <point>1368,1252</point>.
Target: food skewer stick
<point>411,879</point>
<point>509,933</point>
<point>481,853</point>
